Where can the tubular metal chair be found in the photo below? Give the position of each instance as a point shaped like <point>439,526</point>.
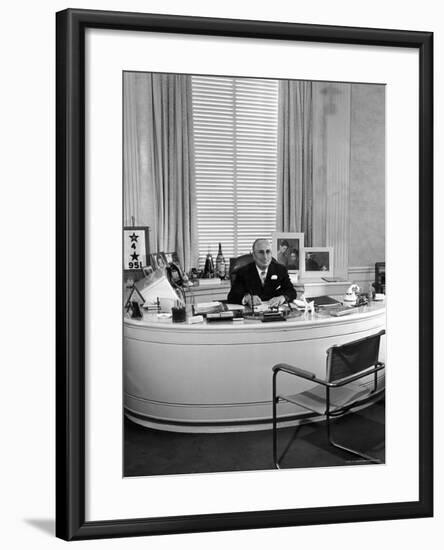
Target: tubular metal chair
<point>342,389</point>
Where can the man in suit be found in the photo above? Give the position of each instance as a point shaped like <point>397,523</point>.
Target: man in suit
<point>264,279</point>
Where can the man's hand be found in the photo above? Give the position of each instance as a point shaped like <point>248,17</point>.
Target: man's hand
<point>276,301</point>
<point>247,300</point>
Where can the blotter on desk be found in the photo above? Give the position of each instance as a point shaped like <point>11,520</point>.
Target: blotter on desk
<point>222,316</point>
<point>273,316</point>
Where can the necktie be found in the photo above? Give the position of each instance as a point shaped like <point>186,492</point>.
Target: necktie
<point>263,274</point>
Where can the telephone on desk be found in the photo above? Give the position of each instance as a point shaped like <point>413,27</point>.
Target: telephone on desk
<point>267,314</point>
<point>270,316</point>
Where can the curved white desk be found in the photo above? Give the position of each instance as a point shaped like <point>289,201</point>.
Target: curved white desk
<point>217,377</point>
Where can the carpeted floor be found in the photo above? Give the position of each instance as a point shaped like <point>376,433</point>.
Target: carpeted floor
<point>152,452</point>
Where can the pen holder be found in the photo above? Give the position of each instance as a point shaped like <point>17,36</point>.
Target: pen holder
<point>179,314</point>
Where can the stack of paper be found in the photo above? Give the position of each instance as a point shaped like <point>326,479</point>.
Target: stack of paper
<point>209,282</point>
<point>208,307</point>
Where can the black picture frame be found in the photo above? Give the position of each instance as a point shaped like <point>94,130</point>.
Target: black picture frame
<point>70,315</point>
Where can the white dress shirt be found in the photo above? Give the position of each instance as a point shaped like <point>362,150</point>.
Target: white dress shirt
<point>260,271</point>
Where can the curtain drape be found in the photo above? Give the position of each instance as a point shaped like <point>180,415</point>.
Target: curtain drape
<point>295,159</point>
<point>159,173</point>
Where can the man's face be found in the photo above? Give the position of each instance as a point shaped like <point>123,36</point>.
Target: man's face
<point>262,253</point>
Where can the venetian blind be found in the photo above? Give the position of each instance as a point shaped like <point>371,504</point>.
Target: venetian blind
<point>235,132</point>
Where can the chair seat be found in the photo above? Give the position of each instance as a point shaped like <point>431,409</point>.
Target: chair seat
<point>314,399</point>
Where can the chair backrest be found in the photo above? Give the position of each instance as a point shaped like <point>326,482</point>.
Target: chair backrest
<point>237,263</point>
<point>353,357</point>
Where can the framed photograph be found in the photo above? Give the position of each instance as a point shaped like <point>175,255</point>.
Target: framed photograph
<point>135,247</point>
<point>287,249</point>
<point>158,260</point>
<point>173,258</point>
<point>126,380</point>
<point>317,262</point>
<point>148,270</point>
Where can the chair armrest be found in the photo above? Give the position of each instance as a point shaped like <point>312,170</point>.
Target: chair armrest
<point>296,371</point>
<point>344,381</point>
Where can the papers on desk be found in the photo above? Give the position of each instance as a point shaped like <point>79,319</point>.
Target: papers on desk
<point>157,287</point>
<point>209,282</point>
<point>208,307</point>
<point>262,307</point>
<point>265,307</point>
<point>235,307</point>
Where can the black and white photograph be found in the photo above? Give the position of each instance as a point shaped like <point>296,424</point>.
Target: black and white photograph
<point>246,172</point>
<point>233,399</point>
<point>317,262</point>
<point>158,260</point>
<point>287,248</point>
<point>239,392</point>
<point>172,258</point>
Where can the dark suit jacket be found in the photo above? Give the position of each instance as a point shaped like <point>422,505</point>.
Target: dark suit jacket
<point>248,281</point>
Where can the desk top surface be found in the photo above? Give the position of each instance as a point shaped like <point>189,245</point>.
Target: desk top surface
<point>323,317</point>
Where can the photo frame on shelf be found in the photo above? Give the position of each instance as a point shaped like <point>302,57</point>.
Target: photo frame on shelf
<point>88,378</point>
<point>158,260</point>
<point>173,258</point>
<point>148,270</point>
<point>317,262</point>
<point>287,249</point>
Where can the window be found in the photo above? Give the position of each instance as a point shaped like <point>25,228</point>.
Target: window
<point>235,132</point>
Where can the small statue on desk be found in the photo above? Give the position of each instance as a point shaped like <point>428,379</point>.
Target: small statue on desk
<point>134,311</point>
<point>309,306</point>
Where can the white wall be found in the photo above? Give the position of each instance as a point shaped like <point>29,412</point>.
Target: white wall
<point>27,278</point>
<point>349,172</point>
<point>367,176</point>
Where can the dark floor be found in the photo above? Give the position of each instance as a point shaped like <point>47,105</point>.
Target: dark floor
<point>153,452</point>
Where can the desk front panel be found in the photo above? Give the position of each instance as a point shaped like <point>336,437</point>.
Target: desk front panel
<point>217,377</point>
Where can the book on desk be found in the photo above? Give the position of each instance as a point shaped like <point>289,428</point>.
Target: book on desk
<point>324,301</point>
